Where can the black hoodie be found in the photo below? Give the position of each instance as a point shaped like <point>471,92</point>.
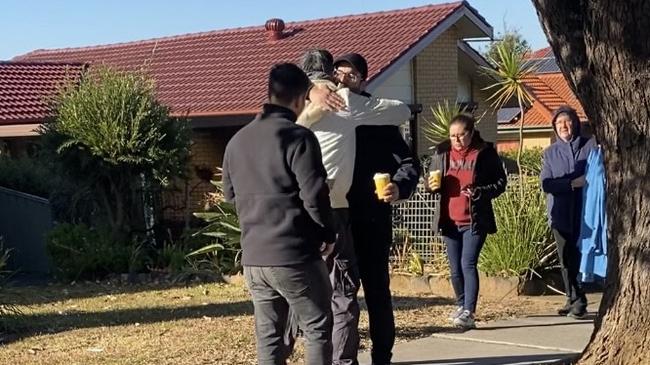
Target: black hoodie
<point>489,182</point>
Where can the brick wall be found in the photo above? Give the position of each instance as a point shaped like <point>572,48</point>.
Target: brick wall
<point>207,149</point>
<point>436,78</point>
<point>488,123</point>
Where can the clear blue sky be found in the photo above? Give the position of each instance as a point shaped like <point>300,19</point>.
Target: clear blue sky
<point>27,25</point>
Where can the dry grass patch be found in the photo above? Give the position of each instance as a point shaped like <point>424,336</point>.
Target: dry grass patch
<point>203,324</point>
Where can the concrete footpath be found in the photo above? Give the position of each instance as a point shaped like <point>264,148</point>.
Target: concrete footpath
<point>534,339</point>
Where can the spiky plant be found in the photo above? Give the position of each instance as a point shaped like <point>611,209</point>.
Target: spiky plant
<point>509,72</point>
<point>436,130</point>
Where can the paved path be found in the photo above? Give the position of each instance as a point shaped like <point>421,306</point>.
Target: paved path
<point>535,339</point>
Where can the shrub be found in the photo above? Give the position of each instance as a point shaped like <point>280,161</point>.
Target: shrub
<point>113,138</point>
<point>436,130</point>
<point>223,253</point>
<point>81,252</point>
<point>531,161</point>
<point>523,235</point>
<point>170,258</point>
<point>28,175</point>
<point>7,309</point>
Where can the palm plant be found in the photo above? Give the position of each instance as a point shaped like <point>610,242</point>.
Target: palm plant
<point>509,72</point>
<point>224,252</point>
<point>437,129</point>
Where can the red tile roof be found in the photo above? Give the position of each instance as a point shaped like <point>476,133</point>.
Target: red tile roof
<point>25,87</point>
<point>541,53</point>
<point>549,91</point>
<point>223,72</point>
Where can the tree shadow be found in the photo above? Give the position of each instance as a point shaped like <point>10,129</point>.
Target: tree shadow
<point>500,360</point>
<point>38,295</point>
<point>413,302</point>
<point>577,322</point>
<point>49,323</point>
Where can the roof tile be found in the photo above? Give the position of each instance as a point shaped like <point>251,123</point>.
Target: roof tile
<point>223,72</point>
<point>26,86</point>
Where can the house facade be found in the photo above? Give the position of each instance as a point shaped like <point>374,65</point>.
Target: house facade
<point>549,90</point>
<point>217,79</point>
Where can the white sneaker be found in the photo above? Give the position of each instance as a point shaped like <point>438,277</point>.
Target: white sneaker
<point>455,313</point>
<point>465,320</point>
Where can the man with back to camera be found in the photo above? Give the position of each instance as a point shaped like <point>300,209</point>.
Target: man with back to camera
<point>274,174</point>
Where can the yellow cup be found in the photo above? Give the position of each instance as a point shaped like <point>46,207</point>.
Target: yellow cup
<point>381,180</point>
<point>435,177</point>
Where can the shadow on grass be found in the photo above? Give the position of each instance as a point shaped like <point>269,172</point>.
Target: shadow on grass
<point>403,303</point>
<point>500,360</point>
<point>30,325</point>
<point>37,295</point>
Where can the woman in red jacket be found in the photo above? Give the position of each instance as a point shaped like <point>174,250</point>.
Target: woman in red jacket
<point>467,173</point>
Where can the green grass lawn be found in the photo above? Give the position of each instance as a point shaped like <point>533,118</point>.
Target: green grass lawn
<point>161,324</point>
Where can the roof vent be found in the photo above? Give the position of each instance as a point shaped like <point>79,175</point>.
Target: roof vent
<point>274,28</point>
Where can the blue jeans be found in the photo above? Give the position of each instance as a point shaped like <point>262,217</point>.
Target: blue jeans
<point>463,249</point>
<point>305,289</point>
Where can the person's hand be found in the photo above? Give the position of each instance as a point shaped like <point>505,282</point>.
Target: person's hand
<point>322,96</point>
<point>578,182</point>
<point>467,191</point>
<point>326,249</point>
<point>434,183</point>
<point>390,193</point>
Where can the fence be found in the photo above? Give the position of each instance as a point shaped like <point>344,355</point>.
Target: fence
<point>412,228</point>
<point>24,222</point>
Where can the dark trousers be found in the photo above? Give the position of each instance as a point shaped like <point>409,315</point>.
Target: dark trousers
<point>307,291</point>
<point>372,240</point>
<point>569,256</point>
<point>463,249</point>
<point>344,277</point>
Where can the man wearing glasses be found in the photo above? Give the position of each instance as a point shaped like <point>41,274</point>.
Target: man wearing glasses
<point>336,135</point>
<point>378,149</point>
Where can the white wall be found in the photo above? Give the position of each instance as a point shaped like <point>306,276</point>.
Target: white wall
<point>398,86</point>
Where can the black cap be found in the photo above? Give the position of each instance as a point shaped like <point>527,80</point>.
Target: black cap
<point>356,60</point>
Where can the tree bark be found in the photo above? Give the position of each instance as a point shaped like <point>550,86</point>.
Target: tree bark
<point>603,49</point>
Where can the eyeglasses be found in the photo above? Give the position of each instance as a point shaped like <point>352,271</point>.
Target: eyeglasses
<point>349,75</point>
<point>459,136</point>
<point>562,121</point>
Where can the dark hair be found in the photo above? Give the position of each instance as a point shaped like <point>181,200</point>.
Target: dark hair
<point>287,82</point>
<point>318,60</point>
<point>569,111</point>
<point>357,61</point>
<point>466,120</point>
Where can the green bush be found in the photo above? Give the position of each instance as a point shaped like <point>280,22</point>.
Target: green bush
<point>169,258</point>
<point>523,237</point>
<point>113,138</point>
<point>28,175</point>
<point>81,252</point>
<point>531,161</point>
<point>4,257</point>
<point>223,253</point>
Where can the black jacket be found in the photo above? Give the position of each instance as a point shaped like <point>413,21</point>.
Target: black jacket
<point>274,173</point>
<point>489,182</point>
<point>380,149</point>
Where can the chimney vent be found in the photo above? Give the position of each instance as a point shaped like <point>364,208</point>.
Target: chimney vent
<point>274,28</point>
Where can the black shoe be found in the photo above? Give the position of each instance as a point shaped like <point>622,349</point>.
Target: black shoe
<point>564,311</point>
<point>577,313</point>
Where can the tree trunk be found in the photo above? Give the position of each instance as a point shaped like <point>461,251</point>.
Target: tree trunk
<point>603,49</point>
